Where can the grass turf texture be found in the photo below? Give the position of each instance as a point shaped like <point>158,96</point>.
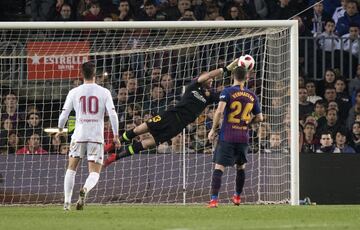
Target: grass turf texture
<point>141,217</point>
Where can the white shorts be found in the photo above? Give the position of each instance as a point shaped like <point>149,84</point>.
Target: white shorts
<point>94,151</point>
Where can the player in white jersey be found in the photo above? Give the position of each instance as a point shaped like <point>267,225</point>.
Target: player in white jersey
<point>90,101</point>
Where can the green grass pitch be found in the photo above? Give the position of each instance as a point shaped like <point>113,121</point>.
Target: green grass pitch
<point>191,217</point>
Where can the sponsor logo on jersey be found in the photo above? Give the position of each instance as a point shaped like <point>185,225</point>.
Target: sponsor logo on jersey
<point>198,96</point>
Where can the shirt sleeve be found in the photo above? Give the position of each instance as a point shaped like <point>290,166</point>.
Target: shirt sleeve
<point>256,108</point>
<point>224,96</point>
<point>68,106</point>
<point>110,108</point>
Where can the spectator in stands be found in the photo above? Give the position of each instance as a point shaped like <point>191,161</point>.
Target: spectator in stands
<point>354,84</point>
<point>353,111</point>
<point>64,149</point>
<point>65,13</point>
<point>34,125</point>
<point>167,83</point>
<point>125,76</point>
<point>10,110</point>
<point>327,145</point>
<point>333,105</point>
<point>355,136</point>
<point>212,12</point>
<point>275,145</point>
<point>42,10</point>
<point>200,143</point>
<point>76,82</point>
<point>132,89</point>
<point>328,40</point>
<point>339,11</point>
<point>341,142</point>
<point>315,19</point>
<point>351,16</point>
<point>157,100</point>
<point>151,12</point>
<point>332,123</point>
<point>235,13</point>
<point>305,107</point>
<point>5,130</point>
<point>102,79</point>
<point>174,13</point>
<point>94,13</point>
<point>84,7</point>
<point>125,12</point>
<point>155,76</point>
<point>320,110</point>
<point>13,143</point>
<point>350,41</point>
<point>341,92</point>
<point>328,81</point>
<point>32,146</point>
<point>311,92</point>
<point>188,16</point>
<point>56,142</point>
<point>122,98</point>
<point>310,142</point>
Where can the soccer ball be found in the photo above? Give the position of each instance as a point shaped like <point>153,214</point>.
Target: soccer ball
<point>247,62</point>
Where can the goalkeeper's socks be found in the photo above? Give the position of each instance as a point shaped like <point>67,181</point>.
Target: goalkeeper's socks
<point>240,180</point>
<point>216,182</point>
<point>132,149</point>
<point>127,136</point>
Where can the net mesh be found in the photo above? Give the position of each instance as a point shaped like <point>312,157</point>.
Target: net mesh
<point>145,70</point>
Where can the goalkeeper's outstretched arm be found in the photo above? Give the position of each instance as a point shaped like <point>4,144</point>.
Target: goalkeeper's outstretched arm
<point>218,72</point>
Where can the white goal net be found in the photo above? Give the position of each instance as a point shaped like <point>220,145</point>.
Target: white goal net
<point>145,66</point>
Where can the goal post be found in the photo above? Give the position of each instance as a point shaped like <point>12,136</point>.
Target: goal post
<point>39,64</point>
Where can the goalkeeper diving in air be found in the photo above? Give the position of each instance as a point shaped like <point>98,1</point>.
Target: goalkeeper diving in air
<point>171,122</point>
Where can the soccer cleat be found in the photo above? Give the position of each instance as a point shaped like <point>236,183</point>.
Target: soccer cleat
<point>213,203</point>
<point>236,199</point>
<point>81,202</point>
<point>112,158</point>
<point>67,206</point>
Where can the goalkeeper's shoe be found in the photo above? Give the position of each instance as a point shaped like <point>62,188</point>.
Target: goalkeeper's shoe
<point>81,202</point>
<point>213,203</point>
<point>67,206</point>
<point>112,158</point>
<point>236,199</point>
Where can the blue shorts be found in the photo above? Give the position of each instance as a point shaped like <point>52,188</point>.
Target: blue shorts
<point>228,154</point>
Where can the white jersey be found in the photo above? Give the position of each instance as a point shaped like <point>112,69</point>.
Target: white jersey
<point>89,102</point>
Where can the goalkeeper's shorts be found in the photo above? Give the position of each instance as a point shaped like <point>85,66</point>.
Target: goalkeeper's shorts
<point>165,126</point>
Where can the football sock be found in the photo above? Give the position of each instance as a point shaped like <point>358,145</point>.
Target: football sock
<point>216,183</point>
<point>240,180</point>
<point>132,149</point>
<point>69,182</point>
<point>128,135</point>
<point>91,181</point>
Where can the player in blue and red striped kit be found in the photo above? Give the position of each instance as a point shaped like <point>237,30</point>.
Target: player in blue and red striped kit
<point>241,109</point>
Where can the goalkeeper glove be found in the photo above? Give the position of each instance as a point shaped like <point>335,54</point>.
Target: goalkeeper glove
<point>227,70</point>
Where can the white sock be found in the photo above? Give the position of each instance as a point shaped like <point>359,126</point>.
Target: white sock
<point>91,181</point>
<point>69,182</point>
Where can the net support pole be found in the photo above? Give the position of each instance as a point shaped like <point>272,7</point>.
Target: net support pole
<point>294,106</point>
<point>184,160</point>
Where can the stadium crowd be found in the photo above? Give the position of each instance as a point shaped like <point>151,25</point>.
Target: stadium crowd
<point>329,109</point>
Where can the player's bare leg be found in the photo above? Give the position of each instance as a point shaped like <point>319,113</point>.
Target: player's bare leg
<point>215,185</point>
<point>131,149</point>
<point>240,180</point>
<point>69,181</point>
<point>91,181</point>
<point>128,135</point>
